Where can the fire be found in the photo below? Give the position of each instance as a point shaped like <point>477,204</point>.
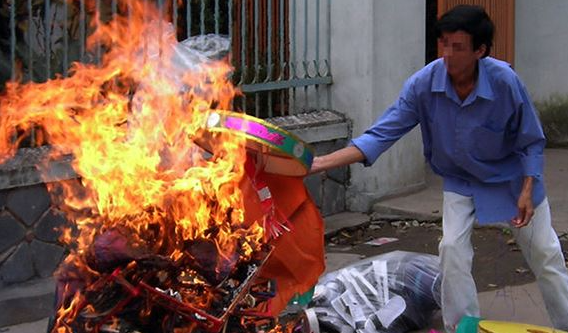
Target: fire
<point>129,124</point>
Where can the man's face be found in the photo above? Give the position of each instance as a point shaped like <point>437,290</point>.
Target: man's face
<point>459,56</point>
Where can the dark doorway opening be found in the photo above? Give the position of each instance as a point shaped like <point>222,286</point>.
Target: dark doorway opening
<point>431,41</point>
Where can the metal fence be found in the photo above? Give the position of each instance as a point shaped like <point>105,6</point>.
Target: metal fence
<point>279,48</point>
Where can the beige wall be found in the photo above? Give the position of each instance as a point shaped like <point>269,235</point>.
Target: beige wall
<point>541,46</point>
<point>376,45</point>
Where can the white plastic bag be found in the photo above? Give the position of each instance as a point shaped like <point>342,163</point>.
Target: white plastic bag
<point>394,292</point>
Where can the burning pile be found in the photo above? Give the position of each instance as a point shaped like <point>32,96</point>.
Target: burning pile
<point>161,239</point>
<point>138,290</point>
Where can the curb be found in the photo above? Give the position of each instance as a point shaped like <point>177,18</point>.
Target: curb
<point>389,210</point>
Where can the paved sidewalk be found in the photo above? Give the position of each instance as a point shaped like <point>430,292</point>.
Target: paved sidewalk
<point>428,202</point>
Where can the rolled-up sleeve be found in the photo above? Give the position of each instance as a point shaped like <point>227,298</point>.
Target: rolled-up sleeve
<point>530,141</point>
<point>396,121</point>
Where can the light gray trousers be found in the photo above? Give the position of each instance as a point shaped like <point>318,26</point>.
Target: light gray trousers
<point>539,245</point>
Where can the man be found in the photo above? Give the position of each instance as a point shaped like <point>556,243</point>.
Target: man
<point>481,134</point>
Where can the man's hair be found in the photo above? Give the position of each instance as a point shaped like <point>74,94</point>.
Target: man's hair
<point>471,19</point>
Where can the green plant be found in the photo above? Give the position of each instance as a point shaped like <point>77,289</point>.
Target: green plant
<point>553,113</point>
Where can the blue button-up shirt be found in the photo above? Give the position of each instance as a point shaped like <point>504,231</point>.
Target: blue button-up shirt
<point>483,146</point>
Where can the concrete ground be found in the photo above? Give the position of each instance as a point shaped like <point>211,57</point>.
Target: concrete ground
<point>510,303</point>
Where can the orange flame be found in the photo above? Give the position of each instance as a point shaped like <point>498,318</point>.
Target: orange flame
<point>130,124</point>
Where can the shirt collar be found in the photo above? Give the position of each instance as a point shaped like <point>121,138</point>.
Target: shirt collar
<point>483,86</point>
<point>441,81</point>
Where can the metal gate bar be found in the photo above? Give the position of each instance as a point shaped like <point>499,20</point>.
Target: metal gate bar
<point>271,59</point>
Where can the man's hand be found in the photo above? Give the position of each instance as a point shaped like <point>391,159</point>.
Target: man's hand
<point>317,165</point>
<point>525,205</point>
<point>338,158</point>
